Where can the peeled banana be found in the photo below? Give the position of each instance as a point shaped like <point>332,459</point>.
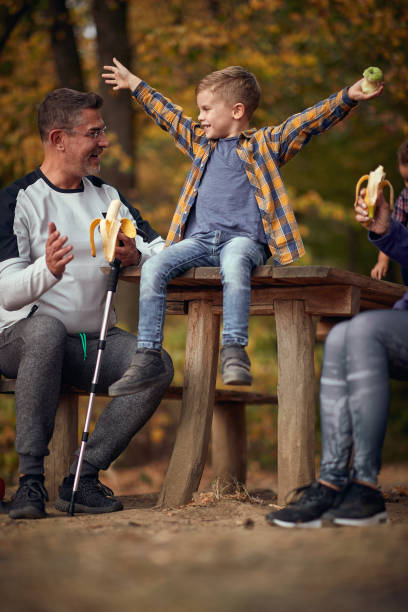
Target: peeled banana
<point>109,230</point>
<point>376,180</point>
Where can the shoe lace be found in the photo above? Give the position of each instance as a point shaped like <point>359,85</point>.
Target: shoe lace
<point>95,485</point>
<point>32,490</point>
<point>306,493</point>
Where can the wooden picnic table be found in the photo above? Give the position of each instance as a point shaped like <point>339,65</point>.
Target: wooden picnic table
<point>294,295</point>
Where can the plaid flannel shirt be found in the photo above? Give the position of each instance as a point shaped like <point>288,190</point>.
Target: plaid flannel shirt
<point>400,212</point>
<point>263,151</point>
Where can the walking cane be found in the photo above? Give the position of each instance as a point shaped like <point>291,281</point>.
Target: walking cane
<point>111,288</point>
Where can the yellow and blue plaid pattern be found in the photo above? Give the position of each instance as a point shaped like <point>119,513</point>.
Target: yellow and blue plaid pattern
<point>263,151</point>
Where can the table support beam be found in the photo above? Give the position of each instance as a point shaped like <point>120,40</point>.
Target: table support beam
<point>296,396</point>
<point>193,433</point>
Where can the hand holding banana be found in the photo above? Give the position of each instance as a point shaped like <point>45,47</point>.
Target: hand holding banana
<point>375,182</point>
<point>110,228</point>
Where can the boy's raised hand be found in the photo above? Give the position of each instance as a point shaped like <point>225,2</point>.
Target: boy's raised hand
<point>120,77</point>
<point>356,93</point>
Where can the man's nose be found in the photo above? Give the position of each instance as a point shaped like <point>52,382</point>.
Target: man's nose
<point>103,141</point>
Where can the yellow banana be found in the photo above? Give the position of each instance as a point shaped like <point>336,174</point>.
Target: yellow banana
<point>376,180</point>
<point>109,230</point>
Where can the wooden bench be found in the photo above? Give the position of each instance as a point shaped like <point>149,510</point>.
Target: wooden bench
<point>229,439</point>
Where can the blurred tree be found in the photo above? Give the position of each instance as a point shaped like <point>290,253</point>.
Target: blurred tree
<point>110,19</point>
<point>64,47</point>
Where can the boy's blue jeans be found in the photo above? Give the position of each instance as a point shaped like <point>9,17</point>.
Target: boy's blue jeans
<point>236,256</point>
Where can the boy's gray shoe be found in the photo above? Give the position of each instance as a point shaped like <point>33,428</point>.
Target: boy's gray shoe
<point>147,366</point>
<point>235,365</point>
<point>29,499</point>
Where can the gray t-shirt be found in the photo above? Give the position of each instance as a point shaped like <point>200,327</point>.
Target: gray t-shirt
<point>225,199</point>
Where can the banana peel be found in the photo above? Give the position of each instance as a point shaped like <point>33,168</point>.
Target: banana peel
<point>375,181</point>
<point>109,230</point>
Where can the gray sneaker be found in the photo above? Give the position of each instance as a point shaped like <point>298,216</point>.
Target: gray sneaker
<point>146,367</point>
<point>235,365</point>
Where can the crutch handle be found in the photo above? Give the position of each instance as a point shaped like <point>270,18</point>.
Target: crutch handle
<point>113,275</point>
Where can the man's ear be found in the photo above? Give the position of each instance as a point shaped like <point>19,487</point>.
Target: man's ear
<point>56,138</point>
<point>238,110</point>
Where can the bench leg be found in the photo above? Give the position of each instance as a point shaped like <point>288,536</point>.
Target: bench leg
<point>63,444</point>
<point>190,449</point>
<point>229,443</point>
<point>296,396</point>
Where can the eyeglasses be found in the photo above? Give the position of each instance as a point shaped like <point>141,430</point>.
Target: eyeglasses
<point>95,134</point>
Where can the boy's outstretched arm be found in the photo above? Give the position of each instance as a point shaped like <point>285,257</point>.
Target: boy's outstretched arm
<point>120,77</point>
<point>356,93</point>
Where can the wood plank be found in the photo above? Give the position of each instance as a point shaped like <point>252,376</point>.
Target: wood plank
<point>7,386</point>
<point>296,396</point>
<point>190,449</point>
<point>64,443</point>
<point>319,301</point>
<point>229,443</point>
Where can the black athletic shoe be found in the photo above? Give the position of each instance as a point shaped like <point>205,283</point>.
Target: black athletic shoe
<point>4,507</point>
<point>235,365</point>
<point>147,366</point>
<point>92,496</point>
<point>306,510</point>
<point>360,506</point>
<point>29,499</point>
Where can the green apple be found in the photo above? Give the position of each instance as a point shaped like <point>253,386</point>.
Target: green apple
<point>373,77</point>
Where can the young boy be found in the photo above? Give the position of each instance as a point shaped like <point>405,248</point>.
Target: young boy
<point>400,213</point>
<point>233,210</point>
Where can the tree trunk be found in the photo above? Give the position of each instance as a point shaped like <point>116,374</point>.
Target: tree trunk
<point>110,20</point>
<point>64,47</point>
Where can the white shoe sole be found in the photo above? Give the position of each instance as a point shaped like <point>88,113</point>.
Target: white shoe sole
<point>309,525</point>
<point>377,519</point>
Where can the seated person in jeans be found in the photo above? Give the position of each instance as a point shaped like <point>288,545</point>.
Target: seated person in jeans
<point>359,357</point>
<point>233,211</point>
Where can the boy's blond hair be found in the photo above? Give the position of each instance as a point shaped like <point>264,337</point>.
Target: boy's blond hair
<point>234,84</point>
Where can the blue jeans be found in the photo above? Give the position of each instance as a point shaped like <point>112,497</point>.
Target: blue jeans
<point>360,355</point>
<point>236,257</point>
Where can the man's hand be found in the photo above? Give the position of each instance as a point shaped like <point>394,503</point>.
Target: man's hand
<point>128,253</point>
<point>57,256</point>
<point>382,215</point>
<point>120,77</point>
<point>356,93</point>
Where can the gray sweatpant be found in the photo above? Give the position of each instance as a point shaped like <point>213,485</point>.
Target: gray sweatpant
<point>360,356</point>
<point>39,353</point>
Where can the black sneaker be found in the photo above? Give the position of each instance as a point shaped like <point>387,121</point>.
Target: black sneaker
<point>147,366</point>
<point>360,506</point>
<point>29,499</point>
<point>92,496</point>
<point>235,365</point>
<point>306,510</point>
<point>4,507</point>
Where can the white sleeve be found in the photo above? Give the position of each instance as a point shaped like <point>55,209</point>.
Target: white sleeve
<point>148,249</point>
<point>21,280</point>
<point>22,284</point>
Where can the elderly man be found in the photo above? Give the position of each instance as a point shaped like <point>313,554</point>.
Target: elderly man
<point>52,297</point>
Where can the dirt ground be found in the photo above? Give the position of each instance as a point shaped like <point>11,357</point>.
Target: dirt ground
<point>215,554</point>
